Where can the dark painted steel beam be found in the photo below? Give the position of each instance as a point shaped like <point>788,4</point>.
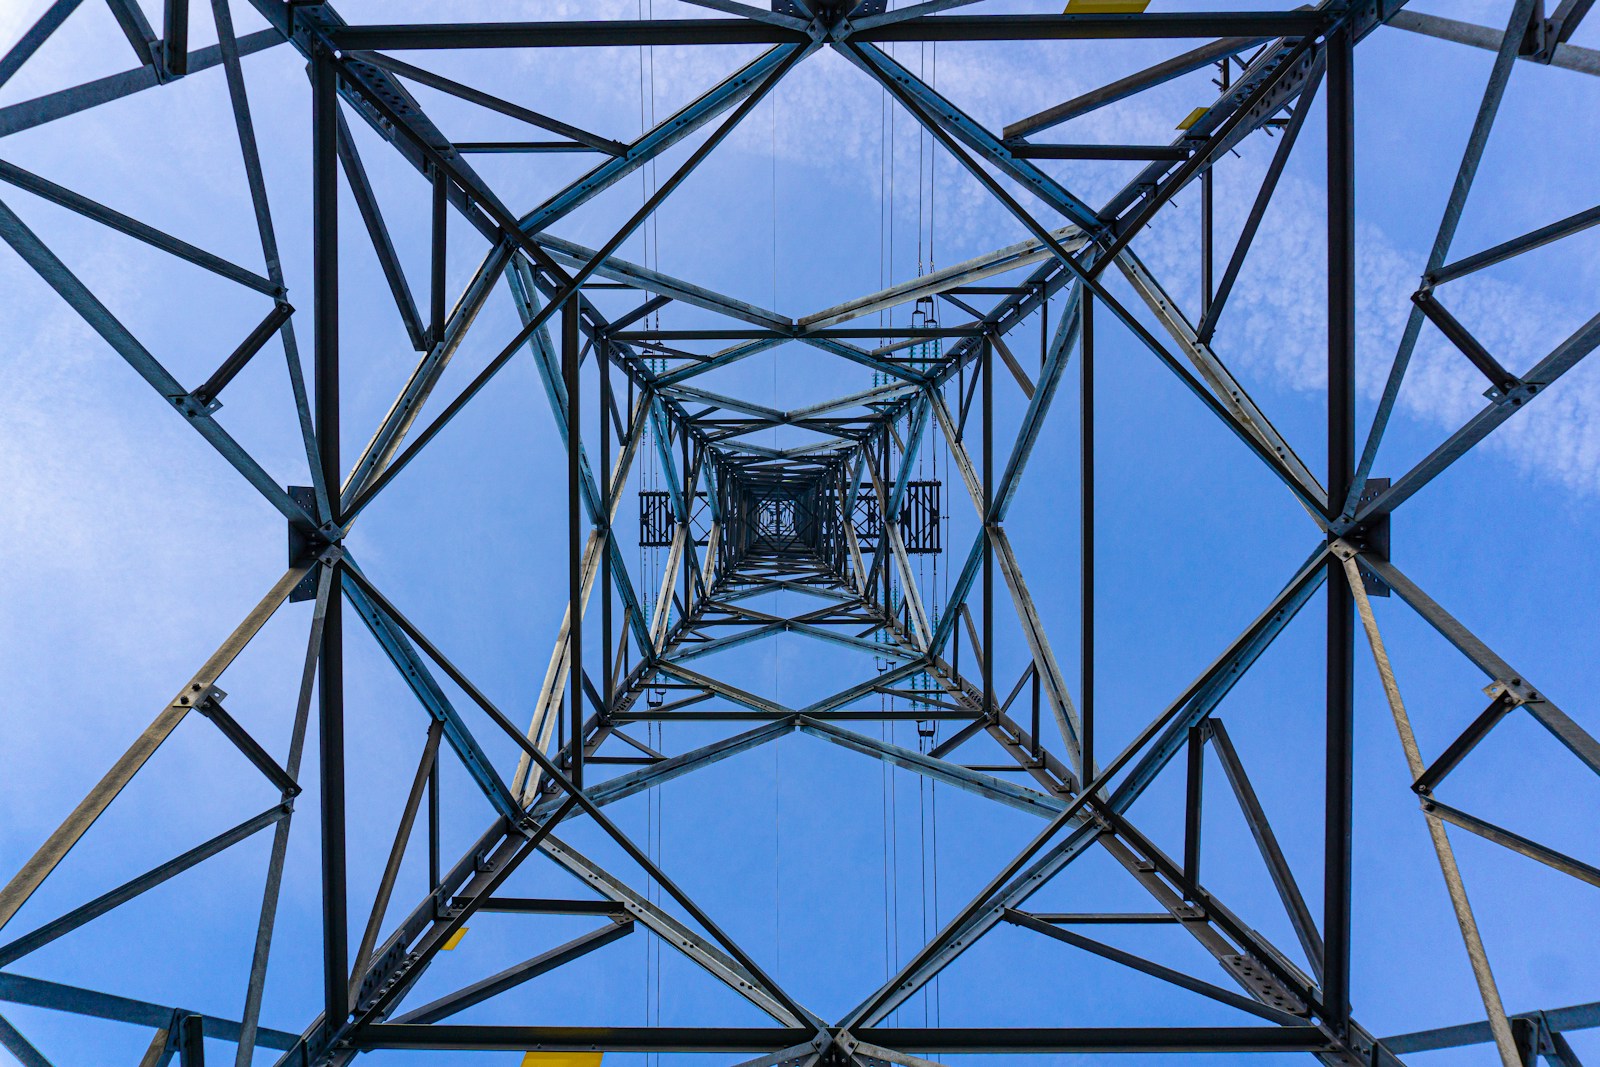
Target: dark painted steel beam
<point>936,1040</point>
<point>38,993</point>
<point>513,976</point>
<point>1079,27</point>
<point>116,220</point>
<point>27,114</point>
<point>330,685</point>
<point>1339,785</point>
<point>97,907</point>
<point>1576,1017</point>
<point>595,33</point>
<point>1132,85</point>
<point>36,35</point>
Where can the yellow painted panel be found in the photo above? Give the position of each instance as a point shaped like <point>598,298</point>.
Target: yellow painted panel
<point>455,939</point>
<point>1190,119</point>
<point>1106,7</point>
<point>561,1059</point>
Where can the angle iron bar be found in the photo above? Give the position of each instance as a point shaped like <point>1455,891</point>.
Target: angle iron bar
<point>594,33</point>
<point>1098,26</point>
<point>26,114</point>
<point>1258,207</point>
<point>408,404</point>
<point>1466,172</point>
<point>1155,970</point>
<point>1282,874</point>
<point>1043,658</point>
<point>1226,387</point>
<point>1543,374</point>
<point>426,765</point>
<point>512,976</point>
<point>984,785</point>
<point>955,123</point>
<point>150,235</point>
<point>75,825</point>
<point>1457,750</point>
<point>933,1040</point>
<point>267,919</point>
<point>35,36</point>
<point>955,276</point>
<point>30,942</point>
<point>735,973</point>
<point>211,707</point>
<point>749,79</point>
<point>355,173</point>
<point>1538,704</point>
<point>491,102</point>
<point>99,318</point>
<point>1558,1020</point>
<point>419,679</point>
<point>1477,955</point>
<point>1515,842</point>
<point>1123,88</point>
<point>1575,223</point>
<point>240,356</point>
<point>56,996</point>
<point>1565,54</point>
<point>12,1040</point>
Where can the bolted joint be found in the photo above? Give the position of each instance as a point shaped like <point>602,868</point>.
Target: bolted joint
<point>1513,691</point>
<point>1513,394</point>
<point>1368,538</point>
<point>199,696</point>
<point>191,406</point>
<point>319,546</point>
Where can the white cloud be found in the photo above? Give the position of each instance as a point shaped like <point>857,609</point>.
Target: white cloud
<point>1273,329</point>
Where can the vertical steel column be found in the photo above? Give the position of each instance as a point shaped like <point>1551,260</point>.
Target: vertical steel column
<point>602,350</point>
<point>1193,804</point>
<point>688,514</point>
<point>175,31</point>
<point>1208,289</point>
<point>1341,465</point>
<point>1207,214</point>
<point>433,827</point>
<point>1086,532</point>
<point>988,514</point>
<point>192,1041</point>
<point>436,275</point>
<point>1044,356</point>
<point>569,363</point>
<point>330,689</point>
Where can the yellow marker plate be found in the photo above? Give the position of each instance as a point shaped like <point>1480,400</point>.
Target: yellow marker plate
<point>561,1059</point>
<point>1106,7</point>
<point>455,939</point>
<point>1190,119</point>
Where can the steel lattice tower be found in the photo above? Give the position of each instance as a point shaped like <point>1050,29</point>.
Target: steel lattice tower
<point>836,520</point>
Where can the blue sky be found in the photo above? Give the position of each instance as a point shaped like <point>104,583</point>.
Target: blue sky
<point>136,550</point>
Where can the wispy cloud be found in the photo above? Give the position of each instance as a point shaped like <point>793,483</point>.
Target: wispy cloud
<point>1274,331</point>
